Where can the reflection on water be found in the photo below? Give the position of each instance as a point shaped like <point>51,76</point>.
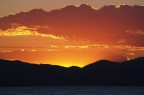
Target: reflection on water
<point>72,90</point>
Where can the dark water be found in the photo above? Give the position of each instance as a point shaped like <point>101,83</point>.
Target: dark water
<point>72,90</point>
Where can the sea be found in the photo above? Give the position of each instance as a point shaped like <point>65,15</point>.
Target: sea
<point>72,90</point>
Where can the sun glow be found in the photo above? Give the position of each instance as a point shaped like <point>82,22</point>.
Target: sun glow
<point>69,63</point>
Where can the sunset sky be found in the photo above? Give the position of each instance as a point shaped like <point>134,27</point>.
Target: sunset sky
<point>14,6</point>
<point>67,33</point>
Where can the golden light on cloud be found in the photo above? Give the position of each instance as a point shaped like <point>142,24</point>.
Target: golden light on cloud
<point>25,31</point>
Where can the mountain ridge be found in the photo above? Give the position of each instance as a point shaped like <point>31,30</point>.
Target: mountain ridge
<point>103,73</point>
<point>138,59</point>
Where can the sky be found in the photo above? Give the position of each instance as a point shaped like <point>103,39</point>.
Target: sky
<point>14,6</point>
<point>71,35</point>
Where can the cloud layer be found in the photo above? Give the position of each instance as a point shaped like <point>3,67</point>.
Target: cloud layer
<point>108,25</point>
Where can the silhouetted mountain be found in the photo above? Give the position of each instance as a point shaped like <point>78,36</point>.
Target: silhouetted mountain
<point>17,73</point>
<point>123,22</point>
<point>139,60</point>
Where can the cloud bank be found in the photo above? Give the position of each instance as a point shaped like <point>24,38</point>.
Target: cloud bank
<point>108,25</point>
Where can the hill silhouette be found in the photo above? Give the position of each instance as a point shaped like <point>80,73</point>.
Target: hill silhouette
<point>103,72</point>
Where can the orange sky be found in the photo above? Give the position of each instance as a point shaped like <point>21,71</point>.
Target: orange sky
<point>28,45</point>
<point>69,42</point>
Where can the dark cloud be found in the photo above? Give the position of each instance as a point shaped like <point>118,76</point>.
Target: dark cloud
<point>107,25</point>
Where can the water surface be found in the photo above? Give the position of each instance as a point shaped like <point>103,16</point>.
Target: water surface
<point>72,90</point>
